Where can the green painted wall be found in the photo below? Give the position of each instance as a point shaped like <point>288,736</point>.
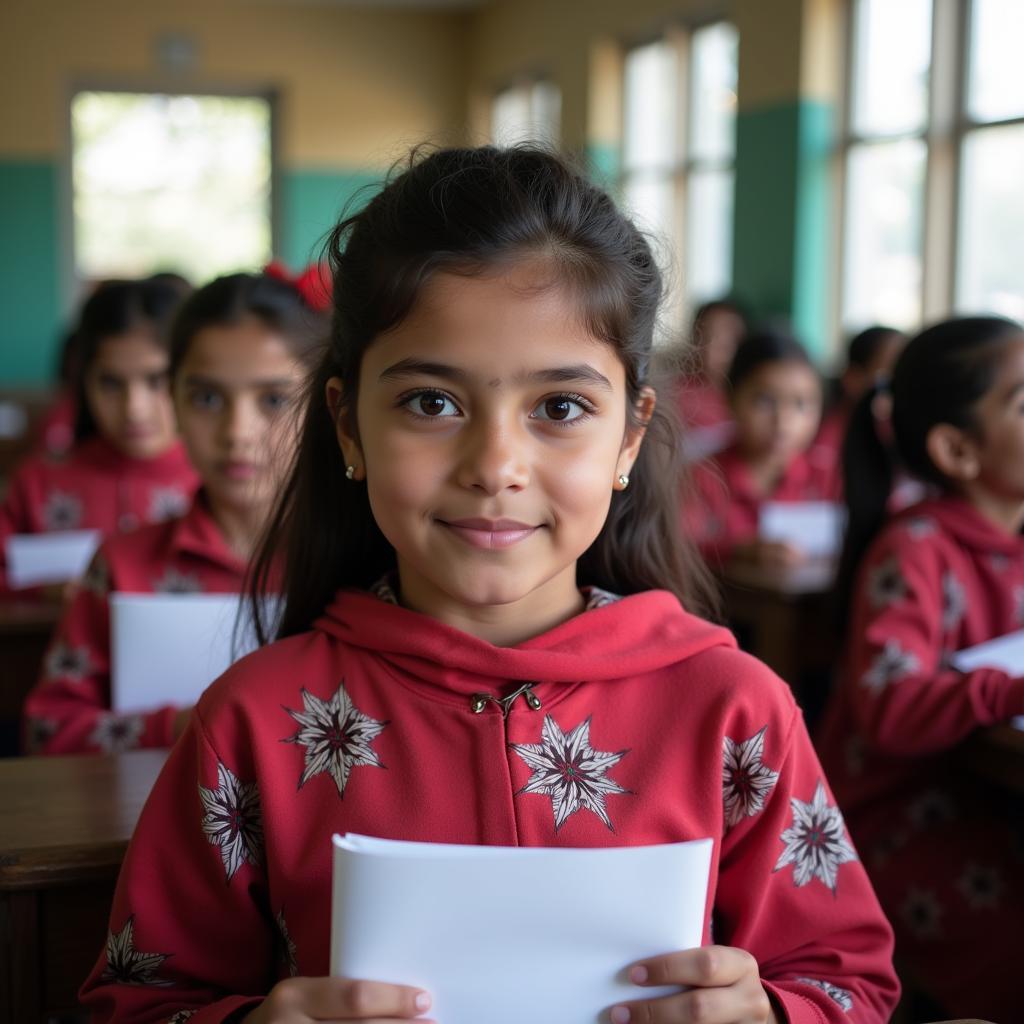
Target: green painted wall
<point>30,307</point>
<point>603,163</point>
<point>310,205</point>
<point>782,230</point>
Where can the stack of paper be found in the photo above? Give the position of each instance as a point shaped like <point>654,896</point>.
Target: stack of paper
<point>1004,652</point>
<point>513,934</point>
<point>815,527</point>
<point>167,648</point>
<point>34,559</point>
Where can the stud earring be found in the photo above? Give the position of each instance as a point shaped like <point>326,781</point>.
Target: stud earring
<point>350,472</point>
<point>623,481</point>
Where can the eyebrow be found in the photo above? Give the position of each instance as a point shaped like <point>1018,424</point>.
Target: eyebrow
<point>576,373</point>
<point>212,382</point>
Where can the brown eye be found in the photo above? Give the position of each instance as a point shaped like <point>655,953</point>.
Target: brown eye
<point>558,408</point>
<point>562,409</point>
<point>432,405</point>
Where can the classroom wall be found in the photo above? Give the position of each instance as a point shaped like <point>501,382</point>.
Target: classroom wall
<point>355,87</point>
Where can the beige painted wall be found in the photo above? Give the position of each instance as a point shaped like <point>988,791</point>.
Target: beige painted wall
<point>356,86</point>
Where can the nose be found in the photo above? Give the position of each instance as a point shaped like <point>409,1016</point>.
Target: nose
<point>138,399</point>
<point>494,457</point>
<point>240,423</point>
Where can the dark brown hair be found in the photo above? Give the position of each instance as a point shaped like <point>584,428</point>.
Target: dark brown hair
<point>465,211</point>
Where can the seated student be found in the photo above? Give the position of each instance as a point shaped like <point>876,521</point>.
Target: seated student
<point>127,466</point>
<point>870,357</point>
<point>775,397</point>
<point>943,847</point>
<point>238,351</point>
<point>483,471</point>
<point>703,403</point>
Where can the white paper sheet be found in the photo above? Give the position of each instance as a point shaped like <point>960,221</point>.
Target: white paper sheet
<point>167,648</point>
<point>513,934</point>
<point>1003,652</point>
<point>815,527</point>
<point>37,558</point>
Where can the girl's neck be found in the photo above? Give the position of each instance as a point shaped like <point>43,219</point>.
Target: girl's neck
<point>765,471</point>
<point>240,526</point>
<point>1001,510</point>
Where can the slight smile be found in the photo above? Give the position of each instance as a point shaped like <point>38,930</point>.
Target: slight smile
<point>489,533</point>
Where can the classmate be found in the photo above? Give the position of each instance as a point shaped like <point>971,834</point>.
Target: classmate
<point>870,357</point>
<point>946,574</point>
<point>703,402</point>
<point>483,641</point>
<point>237,352</point>
<point>127,466</point>
<point>775,393</point>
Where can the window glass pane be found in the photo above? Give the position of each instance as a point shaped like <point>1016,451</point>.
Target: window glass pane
<point>708,270</point>
<point>996,82</point>
<point>651,106</point>
<point>510,116</point>
<point>713,92</point>
<point>991,252</point>
<point>892,56</point>
<point>546,108</point>
<point>648,199</point>
<point>884,204</point>
<point>170,182</point>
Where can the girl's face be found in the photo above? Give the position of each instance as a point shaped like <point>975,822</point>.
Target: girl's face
<point>777,410</point>
<point>491,432</point>
<point>233,393</point>
<point>126,389</point>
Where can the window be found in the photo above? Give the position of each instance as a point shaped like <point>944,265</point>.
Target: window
<point>679,140</point>
<point>933,157</point>
<point>527,112</point>
<point>169,182</point>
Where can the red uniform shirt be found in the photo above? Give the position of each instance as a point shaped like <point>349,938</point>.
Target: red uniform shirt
<point>94,488</point>
<point>706,417</point>
<point>725,507</point>
<point>936,839</point>
<point>69,710</point>
<point>671,734</point>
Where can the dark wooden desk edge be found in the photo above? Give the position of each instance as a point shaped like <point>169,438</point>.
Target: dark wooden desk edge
<point>33,869</point>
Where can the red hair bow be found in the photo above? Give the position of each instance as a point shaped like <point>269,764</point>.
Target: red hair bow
<point>313,283</point>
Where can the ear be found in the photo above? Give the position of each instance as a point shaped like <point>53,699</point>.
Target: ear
<point>344,426</point>
<point>643,410</point>
<point>953,452</point>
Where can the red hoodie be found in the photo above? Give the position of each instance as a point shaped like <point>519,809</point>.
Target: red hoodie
<point>648,727</point>
<point>94,488</point>
<point>68,712</point>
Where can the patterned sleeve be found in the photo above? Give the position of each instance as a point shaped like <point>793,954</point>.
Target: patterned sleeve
<point>907,701</point>
<point>190,936</point>
<point>791,890</point>
<point>68,711</point>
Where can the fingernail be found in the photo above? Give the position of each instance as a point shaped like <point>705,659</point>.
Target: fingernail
<point>620,1015</point>
<point>638,974</point>
<point>422,1001</point>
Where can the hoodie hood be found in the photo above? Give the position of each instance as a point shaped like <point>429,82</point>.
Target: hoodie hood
<point>962,521</point>
<point>627,637</point>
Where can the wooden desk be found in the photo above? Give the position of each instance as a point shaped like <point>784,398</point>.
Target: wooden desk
<point>25,631</point>
<point>997,754</point>
<point>64,827</point>
<point>784,615</point>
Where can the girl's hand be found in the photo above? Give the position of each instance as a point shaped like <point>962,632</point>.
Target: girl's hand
<point>301,1000</point>
<point>724,987</point>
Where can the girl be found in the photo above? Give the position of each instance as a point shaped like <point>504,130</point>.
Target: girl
<point>944,849</point>
<point>775,393</point>
<point>127,466</point>
<point>483,468</point>
<point>237,349</point>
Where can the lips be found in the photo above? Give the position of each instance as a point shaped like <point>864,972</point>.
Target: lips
<point>489,533</point>
<point>240,470</point>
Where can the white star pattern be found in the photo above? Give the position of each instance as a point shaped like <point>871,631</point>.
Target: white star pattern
<point>840,996</point>
<point>38,731</point>
<point>126,965</point>
<point>891,664</point>
<point>114,734</point>
<point>181,1016</point>
<point>981,886</point>
<point>570,771</point>
<point>816,843</point>
<point>954,601</point>
<point>921,912</point>
<point>167,503</point>
<point>886,585</point>
<point>932,807</point>
<point>66,662</point>
<point>920,527</point>
<point>286,949</point>
<point>746,782</point>
<point>97,577</point>
<point>232,820</point>
<point>62,511</point>
<point>174,582</point>
<point>336,735</point>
